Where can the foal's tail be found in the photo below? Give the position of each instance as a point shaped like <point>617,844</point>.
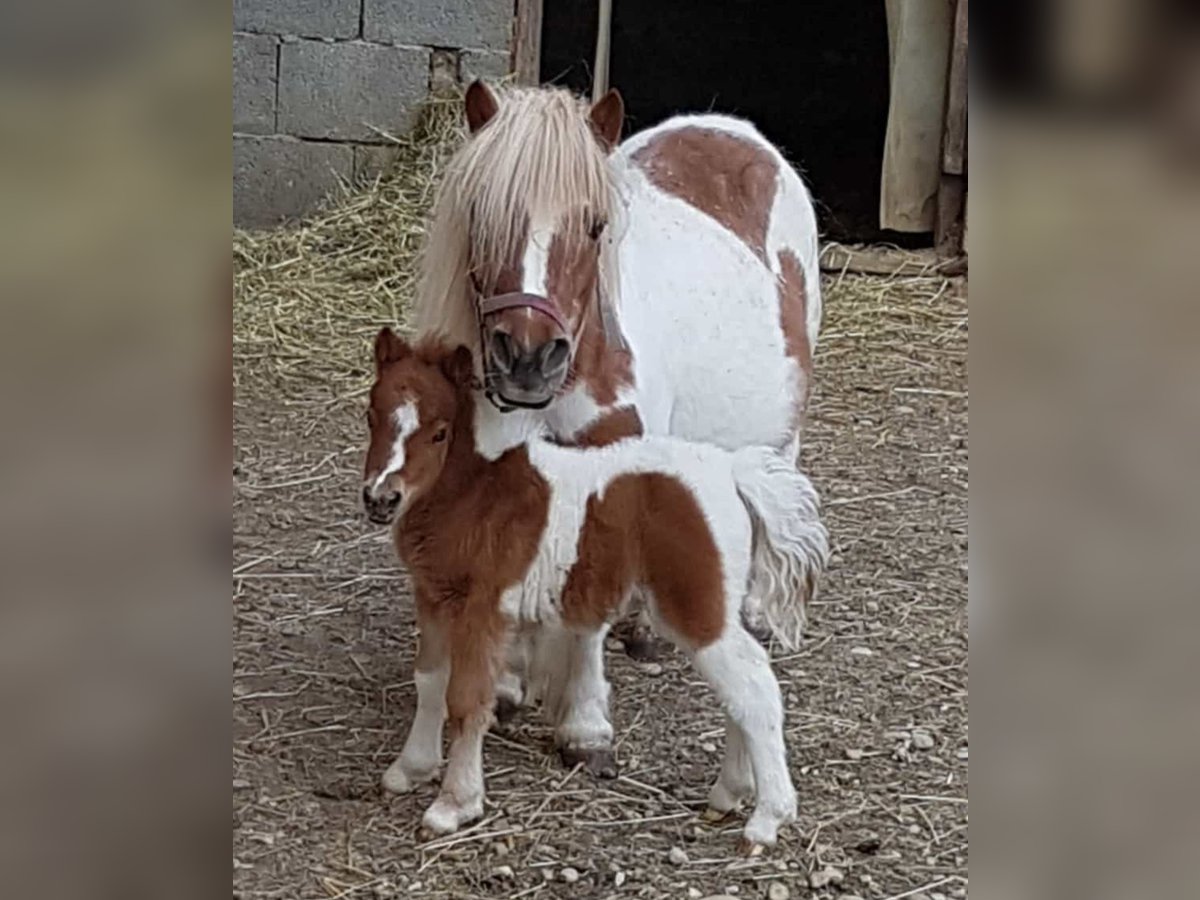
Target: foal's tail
<point>791,546</point>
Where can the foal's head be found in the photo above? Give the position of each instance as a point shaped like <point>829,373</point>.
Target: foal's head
<point>528,197</point>
<point>413,411</point>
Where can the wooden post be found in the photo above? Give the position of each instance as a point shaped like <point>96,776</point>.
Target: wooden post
<point>951,205</point>
<point>603,37</point>
<point>527,43</point>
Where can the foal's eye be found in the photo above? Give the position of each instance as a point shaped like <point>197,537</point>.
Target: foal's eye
<point>439,435</point>
<point>596,229</point>
<point>371,417</point>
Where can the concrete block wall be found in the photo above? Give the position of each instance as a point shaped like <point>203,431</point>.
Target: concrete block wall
<point>316,81</point>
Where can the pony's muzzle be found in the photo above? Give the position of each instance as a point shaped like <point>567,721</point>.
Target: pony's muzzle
<point>528,375</point>
<point>381,507</point>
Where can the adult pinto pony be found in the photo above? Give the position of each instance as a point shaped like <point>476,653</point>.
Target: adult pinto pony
<point>664,285</point>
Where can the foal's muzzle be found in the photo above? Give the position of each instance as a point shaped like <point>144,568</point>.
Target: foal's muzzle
<point>381,508</point>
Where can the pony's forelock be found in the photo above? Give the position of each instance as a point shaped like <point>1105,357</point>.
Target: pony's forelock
<point>537,158</point>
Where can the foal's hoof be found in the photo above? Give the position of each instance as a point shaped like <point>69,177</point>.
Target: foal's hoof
<point>749,849</point>
<point>446,816</point>
<point>716,816</point>
<point>505,709</point>
<point>600,762</point>
<point>642,648</point>
<point>399,780</point>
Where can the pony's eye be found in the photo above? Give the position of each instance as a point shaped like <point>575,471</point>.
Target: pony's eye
<point>597,229</point>
<point>439,435</point>
<point>371,417</point>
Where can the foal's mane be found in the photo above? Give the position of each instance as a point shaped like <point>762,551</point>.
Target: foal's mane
<point>537,155</point>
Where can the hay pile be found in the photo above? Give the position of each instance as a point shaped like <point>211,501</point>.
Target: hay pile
<point>309,298</point>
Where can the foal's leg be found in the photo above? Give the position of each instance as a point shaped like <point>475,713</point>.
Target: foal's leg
<point>422,753</point>
<point>475,644</point>
<point>584,733</point>
<point>738,669</point>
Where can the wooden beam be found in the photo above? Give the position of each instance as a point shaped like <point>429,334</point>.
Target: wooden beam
<point>869,259</point>
<point>527,42</point>
<point>949,224</point>
<point>603,39</point>
<point>954,143</point>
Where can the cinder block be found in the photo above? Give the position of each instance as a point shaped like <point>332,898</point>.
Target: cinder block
<point>277,178</point>
<point>254,57</point>
<point>488,64</point>
<point>374,160</point>
<point>439,23</point>
<point>338,90</point>
<point>307,18</point>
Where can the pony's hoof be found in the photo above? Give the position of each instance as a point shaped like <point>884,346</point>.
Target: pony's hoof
<point>716,816</point>
<point>601,762</point>
<point>749,849</point>
<point>506,709</point>
<point>642,648</point>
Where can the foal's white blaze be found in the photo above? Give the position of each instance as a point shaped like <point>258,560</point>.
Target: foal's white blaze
<point>407,420</point>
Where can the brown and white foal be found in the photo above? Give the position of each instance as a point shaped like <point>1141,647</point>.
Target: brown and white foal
<point>545,536</point>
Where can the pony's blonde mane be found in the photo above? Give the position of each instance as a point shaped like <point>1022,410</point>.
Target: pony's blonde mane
<point>537,156</point>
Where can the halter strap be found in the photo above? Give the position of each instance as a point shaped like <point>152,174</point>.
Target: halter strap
<point>522,300</point>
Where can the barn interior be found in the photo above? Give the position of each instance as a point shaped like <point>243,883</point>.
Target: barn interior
<point>812,76</point>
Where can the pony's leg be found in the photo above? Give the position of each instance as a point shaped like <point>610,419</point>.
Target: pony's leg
<point>474,646</point>
<point>736,781</point>
<point>512,685</point>
<point>584,733</point>
<point>550,668</point>
<point>637,633</point>
<point>738,669</point>
<point>422,753</point>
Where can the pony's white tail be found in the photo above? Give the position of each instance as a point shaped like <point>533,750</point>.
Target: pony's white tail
<point>791,546</point>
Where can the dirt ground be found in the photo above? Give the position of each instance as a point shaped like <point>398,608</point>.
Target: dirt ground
<point>876,702</point>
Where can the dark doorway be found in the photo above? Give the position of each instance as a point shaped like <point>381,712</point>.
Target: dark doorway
<point>813,76</point>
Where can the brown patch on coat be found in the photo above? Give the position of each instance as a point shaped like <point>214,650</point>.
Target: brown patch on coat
<point>724,176</point>
<point>612,426</point>
<point>647,528</point>
<point>572,282</point>
<point>793,318</point>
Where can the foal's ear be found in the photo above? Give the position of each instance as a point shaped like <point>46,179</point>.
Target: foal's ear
<point>481,105</point>
<point>459,367</point>
<point>389,348</point>
<point>606,117</point>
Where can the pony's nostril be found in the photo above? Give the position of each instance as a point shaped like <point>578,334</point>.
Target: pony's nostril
<point>393,500</point>
<point>554,356</point>
<point>366,496</point>
<point>503,352</point>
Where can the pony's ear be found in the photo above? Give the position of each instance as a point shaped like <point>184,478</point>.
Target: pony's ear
<point>459,367</point>
<point>606,117</point>
<point>481,105</point>
<point>389,348</point>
